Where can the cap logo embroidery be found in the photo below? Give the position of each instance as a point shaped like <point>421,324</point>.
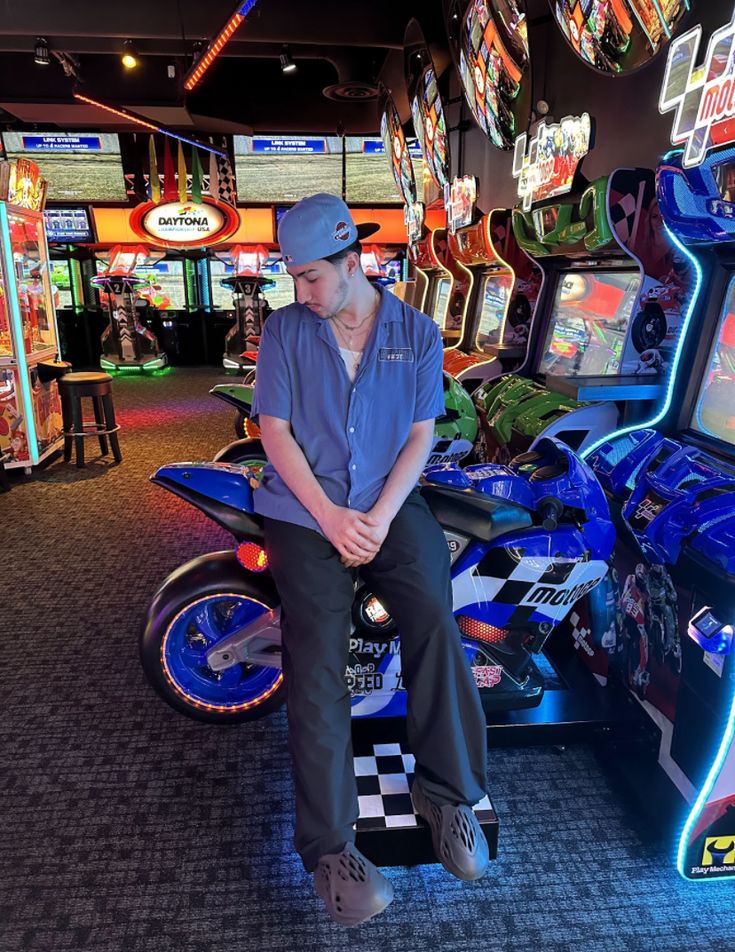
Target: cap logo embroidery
<point>341,231</point>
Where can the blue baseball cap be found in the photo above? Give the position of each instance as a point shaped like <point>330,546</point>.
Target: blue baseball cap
<point>317,227</point>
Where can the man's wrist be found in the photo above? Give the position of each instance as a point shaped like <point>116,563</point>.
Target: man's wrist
<point>383,510</point>
<point>323,508</point>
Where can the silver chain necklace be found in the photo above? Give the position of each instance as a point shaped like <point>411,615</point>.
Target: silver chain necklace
<point>343,330</point>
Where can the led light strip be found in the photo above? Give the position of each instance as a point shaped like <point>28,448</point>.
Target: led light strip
<point>217,45</point>
<point>131,117</point>
<point>705,792</point>
<point>21,366</point>
<point>675,365</point>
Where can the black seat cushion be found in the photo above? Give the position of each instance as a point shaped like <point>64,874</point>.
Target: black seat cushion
<point>473,513</point>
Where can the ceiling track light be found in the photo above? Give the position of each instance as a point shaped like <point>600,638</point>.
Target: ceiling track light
<point>129,56</point>
<point>287,63</point>
<point>40,52</point>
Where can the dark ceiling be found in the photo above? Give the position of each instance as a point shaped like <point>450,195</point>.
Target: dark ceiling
<point>353,46</point>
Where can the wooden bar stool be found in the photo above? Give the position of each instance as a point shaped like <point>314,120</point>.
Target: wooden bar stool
<point>98,386</point>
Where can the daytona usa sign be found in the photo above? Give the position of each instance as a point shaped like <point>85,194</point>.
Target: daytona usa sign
<point>703,96</point>
<point>185,224</point>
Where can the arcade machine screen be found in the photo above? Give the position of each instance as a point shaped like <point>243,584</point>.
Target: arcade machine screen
<point>165,287</point>
<point>589,322</point>
<point>440,300</point>
<point>61,285</point>
<point>494,302</point>
<point>221,296</point>
<point>67,226</point>
<point>280,292</point>
<point>714,411</point>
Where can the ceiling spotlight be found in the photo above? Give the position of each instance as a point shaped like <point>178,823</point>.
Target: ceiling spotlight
<point>40,52</point>
<point>129,57</point>
<point>287,63</point>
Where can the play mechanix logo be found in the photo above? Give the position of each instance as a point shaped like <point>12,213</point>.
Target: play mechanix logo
<point>719,851</point>
<point>703,96</point>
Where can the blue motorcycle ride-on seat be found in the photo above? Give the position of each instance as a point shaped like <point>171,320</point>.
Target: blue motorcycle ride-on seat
<point>473,513</point>
<point>221,491</point>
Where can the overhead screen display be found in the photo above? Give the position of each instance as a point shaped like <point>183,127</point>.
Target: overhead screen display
<point>589,323</point>
<point>714,412</point>
<point>282,169</point>
<point>79,167</point>
<point>67,225</point>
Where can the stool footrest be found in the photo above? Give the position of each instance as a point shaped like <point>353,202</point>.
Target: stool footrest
<point>92,429</point>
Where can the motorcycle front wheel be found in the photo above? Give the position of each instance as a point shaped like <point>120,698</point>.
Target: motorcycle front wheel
<point>198,605</point>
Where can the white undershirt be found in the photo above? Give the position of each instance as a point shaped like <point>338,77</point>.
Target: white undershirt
<point>351,359</point>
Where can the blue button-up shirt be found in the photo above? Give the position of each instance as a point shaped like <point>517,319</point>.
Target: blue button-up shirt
<point>350,433</point>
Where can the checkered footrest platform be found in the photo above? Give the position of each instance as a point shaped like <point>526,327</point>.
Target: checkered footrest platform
<point>388,831</point>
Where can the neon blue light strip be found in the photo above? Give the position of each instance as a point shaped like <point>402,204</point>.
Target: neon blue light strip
<point>205,148</point>
<point>22,366</point>
<point>247,7</point>
<point>705,792</point>
<point>677,357</point>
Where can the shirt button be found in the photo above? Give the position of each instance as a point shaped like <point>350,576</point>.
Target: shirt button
<point>354,466</point>
<point>352,429</point>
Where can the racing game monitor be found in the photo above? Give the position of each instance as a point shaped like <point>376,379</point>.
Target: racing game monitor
<point>495,294</point>
<point>714,410</point>
<point>589,323</point>
<point>439,300</point>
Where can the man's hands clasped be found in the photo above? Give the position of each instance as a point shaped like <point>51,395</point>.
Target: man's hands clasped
<point>357,536</point>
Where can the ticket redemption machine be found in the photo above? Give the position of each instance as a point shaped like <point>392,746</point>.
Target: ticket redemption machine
<point>603,335</point>
<point>666,623</point>
<point>127,344</point>
<point>505,291</point>
<point>30,407</point>
<point>247,282</point>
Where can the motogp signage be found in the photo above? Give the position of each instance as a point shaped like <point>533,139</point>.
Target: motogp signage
<point>459,200</point>
<point>185,224</point>
<point>554,153</point>
<point>703,96</point>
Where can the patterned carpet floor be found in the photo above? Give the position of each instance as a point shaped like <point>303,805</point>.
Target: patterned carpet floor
<point>128,828</point>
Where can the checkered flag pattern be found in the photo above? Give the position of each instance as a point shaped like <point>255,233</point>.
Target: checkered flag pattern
<point>383,783</point>
<point>507,582</point>
<point>226,187</point>
<point>623,215</point>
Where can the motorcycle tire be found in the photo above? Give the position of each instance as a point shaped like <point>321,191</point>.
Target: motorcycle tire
<point>240,425</point>
<point>203,599</point>
<point>243,452</point>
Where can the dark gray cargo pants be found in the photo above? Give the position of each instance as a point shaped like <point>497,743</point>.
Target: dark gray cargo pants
<point>445,721</point>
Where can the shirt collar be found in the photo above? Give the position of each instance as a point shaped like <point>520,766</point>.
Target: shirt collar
<point>389,312</point>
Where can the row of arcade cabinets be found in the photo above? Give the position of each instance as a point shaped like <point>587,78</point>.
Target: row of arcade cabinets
<point>30,407</point>
<point>129,345</point>
<point>140,333</point>
<point>665,622</point>
<point>605,324</point>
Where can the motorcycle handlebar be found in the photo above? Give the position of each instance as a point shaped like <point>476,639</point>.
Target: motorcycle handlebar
<point>549,509</point>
